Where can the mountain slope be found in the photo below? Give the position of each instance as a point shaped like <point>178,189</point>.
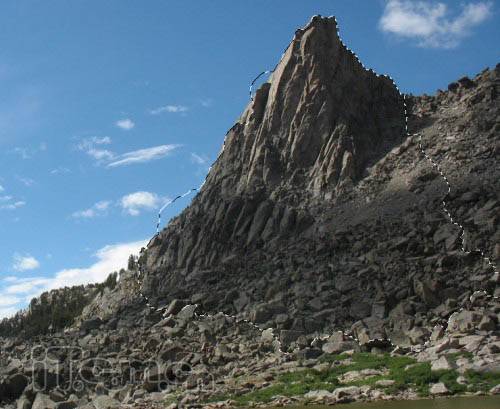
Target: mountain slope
<point>321,212</point>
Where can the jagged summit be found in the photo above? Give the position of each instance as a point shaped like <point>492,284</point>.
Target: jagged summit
<point>316,124</point>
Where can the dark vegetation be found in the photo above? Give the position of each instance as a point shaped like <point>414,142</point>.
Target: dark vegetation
<point>53,310</point>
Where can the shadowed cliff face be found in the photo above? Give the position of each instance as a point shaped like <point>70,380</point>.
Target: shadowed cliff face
<point>320,213</point>
<point>310,132</point>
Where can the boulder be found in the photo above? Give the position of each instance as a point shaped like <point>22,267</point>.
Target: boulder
<point>43,401</point>
<point>442,362</point>
<point>439,389</point>
<point>464,321</point>
<point>105,402</point>
<point>346,394</point>
<point>495,390</point>
<point>14,385</point>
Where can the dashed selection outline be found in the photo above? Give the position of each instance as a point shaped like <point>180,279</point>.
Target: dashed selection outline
<point>478,293</point>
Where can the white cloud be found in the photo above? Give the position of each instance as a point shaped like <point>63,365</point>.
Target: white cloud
<point>25,263</point>
<point>5,198</point>
<point>430,23</point>
<point>109,259</point>
<point>13,206</point>
<point>143,155</point>
<point>90,143</point>
<point>133,203</point>
<point>59,171</point>
<point>26,181</point>
<point>91,146</point>
<point>101,154</point>
<point>2,189</point>
<point>126,124</point>
<point>98,209</point>
<point>7,312</point>
<point>169,108</point>
<point>8,300</point>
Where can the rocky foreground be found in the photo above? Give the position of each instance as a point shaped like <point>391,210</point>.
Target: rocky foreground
<point>179,358</point>
<point>320,215</point>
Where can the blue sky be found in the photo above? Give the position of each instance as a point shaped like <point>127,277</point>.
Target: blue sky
<point>110,108</point>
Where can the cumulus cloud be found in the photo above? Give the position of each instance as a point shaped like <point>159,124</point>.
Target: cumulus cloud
<point>169,108</point>
<point>126,124</point>
<point>134,203</point>
<point>25,263</point>
<point>143,155</point>
<point>431,24</point>
<point>98,209</point>
<point>109,259</point>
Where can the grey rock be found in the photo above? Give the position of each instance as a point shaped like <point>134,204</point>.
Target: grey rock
<point>43,401</point>
<point>442,363</point>
<point>439,389</point>
<point>105,402</point>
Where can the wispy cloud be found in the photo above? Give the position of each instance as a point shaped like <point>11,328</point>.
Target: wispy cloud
<point>175,109</point>
<point>89,143</point>
<point>13,205</point>
<point>431,23</point>
<point>93,147</point>
<point>134,203</point>
<point>199,159</point>
<point>109,259</point>
<point>7,202</point>
<point>206,102</point>
<point>28,182</point>
<point>22,152</point>
<point>98,209</point>
<point>59,171</point>
<point>143,155</point>
<point>126,124</point>
<point>25,263</point>
<point>29,152</point>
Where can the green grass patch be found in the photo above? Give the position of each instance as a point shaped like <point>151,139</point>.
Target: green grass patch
<point>482,381</point>
<point>460,354</point>
<point>405,371</point>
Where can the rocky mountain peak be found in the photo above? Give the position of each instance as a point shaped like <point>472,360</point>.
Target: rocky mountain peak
<point>318,122</point>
